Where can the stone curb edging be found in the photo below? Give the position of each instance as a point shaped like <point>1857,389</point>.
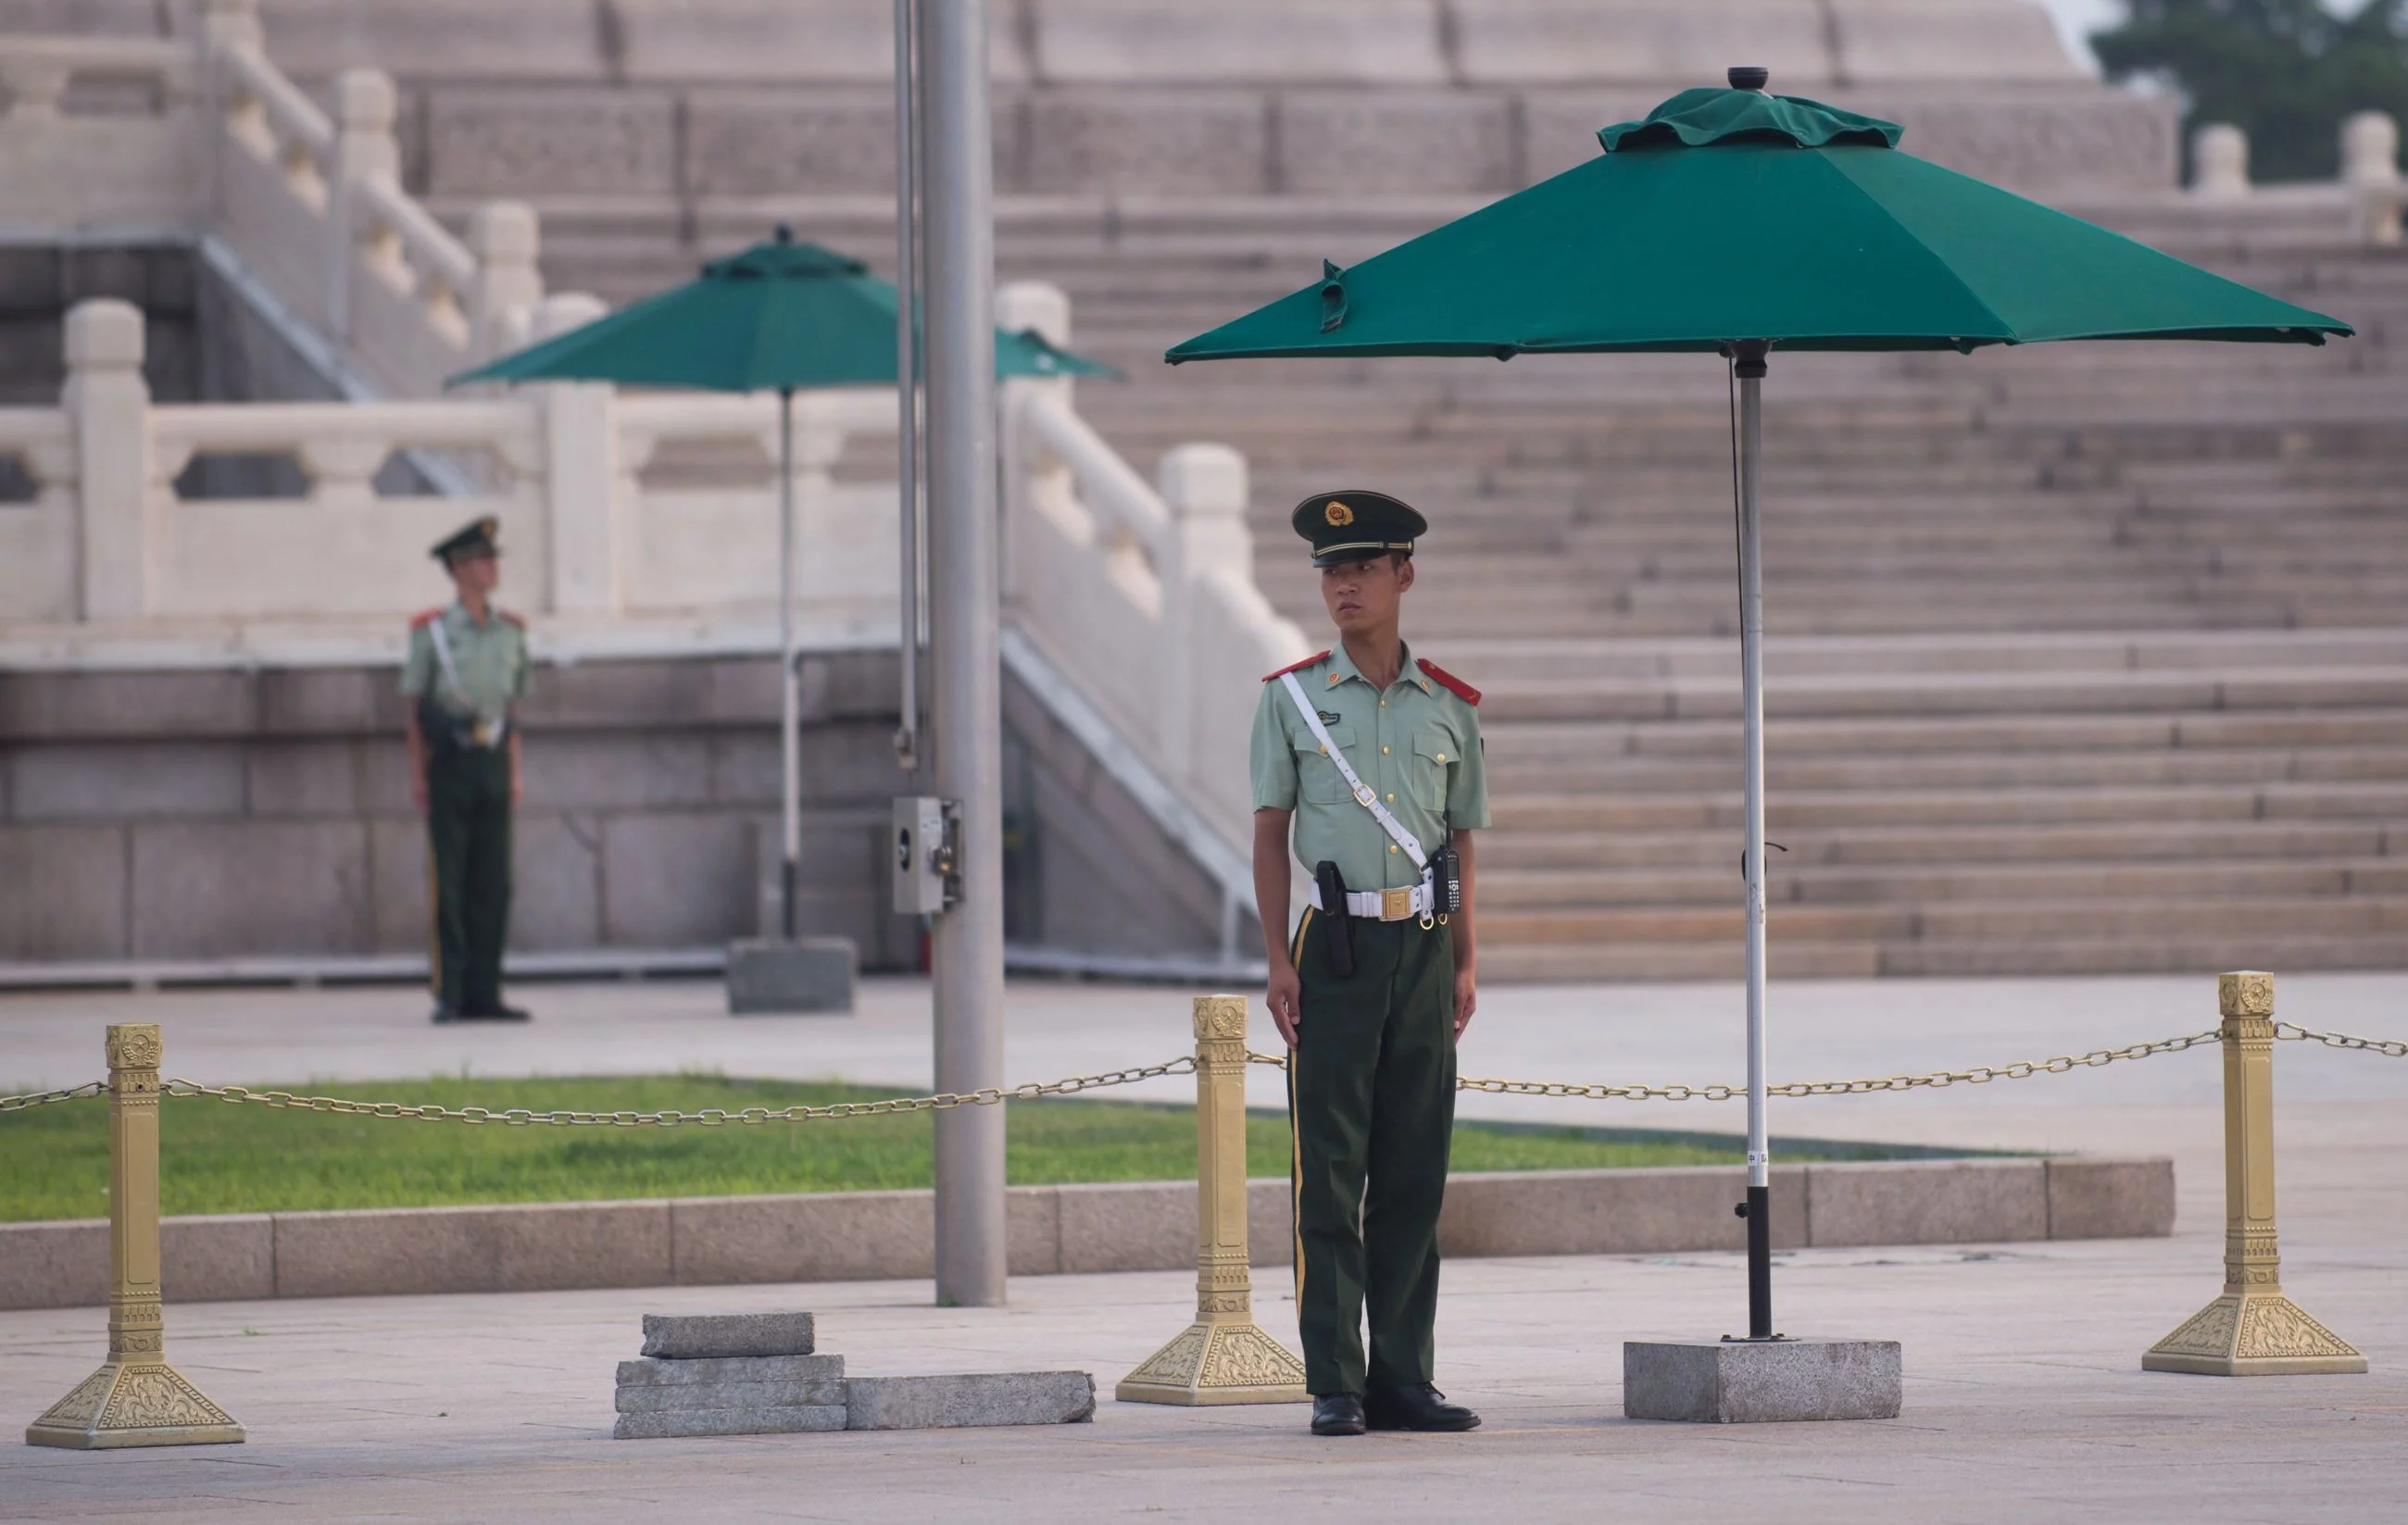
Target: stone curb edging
<point>1138,1226</point>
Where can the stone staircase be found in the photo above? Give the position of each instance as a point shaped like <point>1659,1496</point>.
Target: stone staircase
<point>2091,658</point>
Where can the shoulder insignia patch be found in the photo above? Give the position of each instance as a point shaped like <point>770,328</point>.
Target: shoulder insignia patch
<point>1448,681</point>
<point>425,618</point>
<point>1296,667</point>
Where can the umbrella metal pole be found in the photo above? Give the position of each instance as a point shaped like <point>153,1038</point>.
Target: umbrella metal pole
<point>906,376</point>
<point>1751,370</point>
<point>789,702</point>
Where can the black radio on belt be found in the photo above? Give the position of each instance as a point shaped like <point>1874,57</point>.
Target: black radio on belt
<point>1332,887</point>
<point>1446,875</point>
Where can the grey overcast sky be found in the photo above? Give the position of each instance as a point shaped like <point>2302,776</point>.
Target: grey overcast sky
<point>2078,19</point>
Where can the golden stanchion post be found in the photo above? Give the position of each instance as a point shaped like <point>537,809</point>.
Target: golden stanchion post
<point>1224,1357</point>
<point>2252,1330</point>
<point>135,1398</point>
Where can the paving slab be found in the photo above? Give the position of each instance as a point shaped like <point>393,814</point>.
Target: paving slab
<point>651,1370</point>
<point>970,1400</point>
<point>1770,1382</point>
<point>762,1419</point>
<point>700,1336</point>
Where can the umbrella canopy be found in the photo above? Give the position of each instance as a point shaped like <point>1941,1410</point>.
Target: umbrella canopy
<point>781,316</point>
<point>1729,215</point>
<point>1734,220</point>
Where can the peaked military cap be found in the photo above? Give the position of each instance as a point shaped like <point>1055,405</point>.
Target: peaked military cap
<point>1352,525</point>
<point>478,537</point>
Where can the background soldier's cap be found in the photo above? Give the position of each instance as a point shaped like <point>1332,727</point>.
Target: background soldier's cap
<point>478,537</point>
<point>1352,525</point>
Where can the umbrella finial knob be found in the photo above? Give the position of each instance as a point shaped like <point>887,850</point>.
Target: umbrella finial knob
<point>1749,76</point>
<point>783,233</point>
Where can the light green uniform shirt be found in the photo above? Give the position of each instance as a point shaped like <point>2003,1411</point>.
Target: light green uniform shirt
<point>1417,744</point>
<point>490,660</point>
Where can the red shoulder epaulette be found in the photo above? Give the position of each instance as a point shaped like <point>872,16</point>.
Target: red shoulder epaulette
<point>1448,681</point>
<point>1296,667</point>
<point>428,617</point>
<point>518,620</point>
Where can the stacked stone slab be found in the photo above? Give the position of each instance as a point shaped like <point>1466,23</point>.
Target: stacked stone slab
<point>761,1374</point>
<point>743,1374</point>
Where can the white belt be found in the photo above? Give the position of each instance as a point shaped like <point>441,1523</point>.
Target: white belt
<point>1383,904</point>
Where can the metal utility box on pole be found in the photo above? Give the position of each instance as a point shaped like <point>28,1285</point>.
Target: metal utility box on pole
<point>965,635</point>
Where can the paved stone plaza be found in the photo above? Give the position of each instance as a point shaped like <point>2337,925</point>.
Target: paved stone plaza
<point>2024,1397</point>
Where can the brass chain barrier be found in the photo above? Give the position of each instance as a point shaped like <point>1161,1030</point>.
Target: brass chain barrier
<point>1931,1080</point>
<point>715,1117</point>
<point>33,1099</point>
<point>2390,1048</point>
<point>712,1117</point>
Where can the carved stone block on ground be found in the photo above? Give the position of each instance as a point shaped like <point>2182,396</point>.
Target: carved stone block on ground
<point>801,1418</point>
<point>957,1401</point>
<point>686,1336</point>
<point>652,1371</point>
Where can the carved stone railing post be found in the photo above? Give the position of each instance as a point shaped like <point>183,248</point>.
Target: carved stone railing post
<point>2219,163</point>
<point>2252,1330</point>
<point>135,1398</point>
<point>1224,1357</point>
<point>506,237</point>
<point>109,404</point>
<point>2370,168</point>
<point>1204,487</point>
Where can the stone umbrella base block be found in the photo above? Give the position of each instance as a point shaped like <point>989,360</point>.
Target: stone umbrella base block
<point>811,976</point>
<point>1718,1382</point>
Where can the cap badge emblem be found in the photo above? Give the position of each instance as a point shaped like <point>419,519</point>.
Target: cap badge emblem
<point>1339,515</point>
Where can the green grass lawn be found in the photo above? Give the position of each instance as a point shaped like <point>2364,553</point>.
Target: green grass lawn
<point>218,1158</point>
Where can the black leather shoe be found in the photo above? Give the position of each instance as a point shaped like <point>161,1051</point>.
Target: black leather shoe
<point>1338,1414</point>
<point>1421,1406</point>
<point>443,1013</point>
<point>494,1014</point>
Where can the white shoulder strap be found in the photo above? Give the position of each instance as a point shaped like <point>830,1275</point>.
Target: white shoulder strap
<point>442,639</point>
<point>1365,795</point>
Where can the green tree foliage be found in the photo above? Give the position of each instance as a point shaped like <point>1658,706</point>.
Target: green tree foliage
<point>2286,72</point>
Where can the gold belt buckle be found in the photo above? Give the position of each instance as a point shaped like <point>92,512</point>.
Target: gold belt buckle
<point>1397,905</point>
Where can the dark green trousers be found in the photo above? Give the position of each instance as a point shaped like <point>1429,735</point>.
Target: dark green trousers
<point>469,832</point>
<point>1372,1101</point>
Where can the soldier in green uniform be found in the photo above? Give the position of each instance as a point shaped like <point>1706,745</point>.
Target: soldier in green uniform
<point>1370,997</point>
<point>468,667</point>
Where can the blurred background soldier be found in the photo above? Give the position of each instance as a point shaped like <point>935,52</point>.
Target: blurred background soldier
<point>467,666</point>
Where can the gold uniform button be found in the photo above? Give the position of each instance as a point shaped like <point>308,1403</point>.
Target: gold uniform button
<point>1392,847</point>
<point>1384,704</point>
<point>1392,799</point>
<point>1442,757</point>
<point>1384,751</point>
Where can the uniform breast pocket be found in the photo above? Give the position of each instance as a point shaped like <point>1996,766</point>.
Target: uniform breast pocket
<point>1317,777</point>
<point>1434,752</point>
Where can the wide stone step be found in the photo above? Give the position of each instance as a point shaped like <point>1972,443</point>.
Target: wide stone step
<point>1793,811</point>
<point>1513,780</point>
<point>1985,920</point>
<point>1965,693</point>
<point>2053,842</point>
<point>1793,958</point>
<point>1922,886</point>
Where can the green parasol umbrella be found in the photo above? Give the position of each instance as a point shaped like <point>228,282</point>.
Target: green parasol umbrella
<point>1738,223</point>
<point>780,316</point>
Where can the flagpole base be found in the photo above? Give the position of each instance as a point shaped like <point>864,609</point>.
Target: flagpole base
<point>129,1403</point>
<point>1217,1363</point>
